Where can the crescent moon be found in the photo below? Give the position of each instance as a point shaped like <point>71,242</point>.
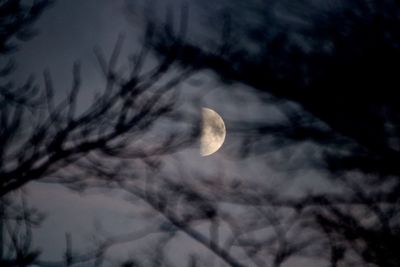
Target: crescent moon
<point>213,132</point>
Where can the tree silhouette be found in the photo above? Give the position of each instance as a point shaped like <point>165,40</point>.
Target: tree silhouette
<point>16,26</point>
<point>44,138</point>
<point>331,69</point>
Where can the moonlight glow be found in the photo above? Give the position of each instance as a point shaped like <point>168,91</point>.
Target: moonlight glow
<point>213,132</point>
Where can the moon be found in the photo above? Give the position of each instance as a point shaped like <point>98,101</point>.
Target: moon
<point>213,132</point>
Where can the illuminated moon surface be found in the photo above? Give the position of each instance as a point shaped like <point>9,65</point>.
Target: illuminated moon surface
<point>213,132</point>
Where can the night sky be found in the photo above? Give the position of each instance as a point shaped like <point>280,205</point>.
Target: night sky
<point>255,158</point>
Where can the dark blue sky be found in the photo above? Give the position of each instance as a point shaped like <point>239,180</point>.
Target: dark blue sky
<point>68,32</point>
